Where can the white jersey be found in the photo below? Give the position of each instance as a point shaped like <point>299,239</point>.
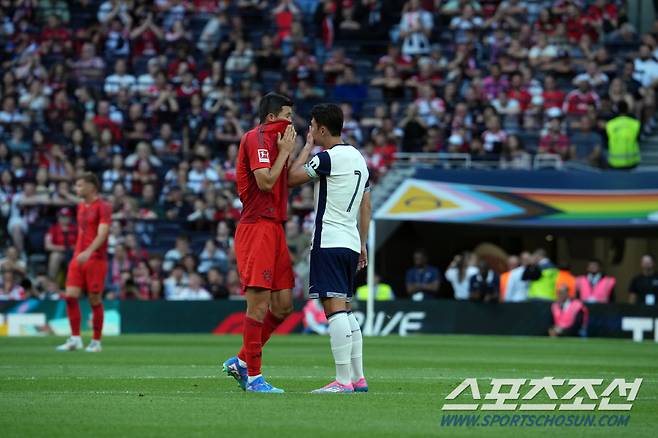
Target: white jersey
<point>341,178</point>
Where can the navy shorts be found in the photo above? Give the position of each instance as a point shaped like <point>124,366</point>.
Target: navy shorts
<point>332,273</point>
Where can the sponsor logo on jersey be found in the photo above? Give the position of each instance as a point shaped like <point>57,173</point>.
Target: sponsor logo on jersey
<point>263,156</point>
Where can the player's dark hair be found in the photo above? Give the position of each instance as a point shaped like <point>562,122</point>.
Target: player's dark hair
<point>330,116</point>
<point>272,103</point>
<point>90,178</point>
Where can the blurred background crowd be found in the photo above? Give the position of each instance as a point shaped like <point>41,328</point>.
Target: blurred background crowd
<point>153,96</point>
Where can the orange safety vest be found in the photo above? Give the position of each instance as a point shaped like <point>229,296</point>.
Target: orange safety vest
<point>566,318</point>
<point>565,277</point>
<point>599,293</point>
<point>504,278</point>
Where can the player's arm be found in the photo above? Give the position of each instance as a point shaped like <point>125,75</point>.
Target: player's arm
<point>365,210</point>
<point>101,234</point>
<point>266,176</point>
<point>297,173</point>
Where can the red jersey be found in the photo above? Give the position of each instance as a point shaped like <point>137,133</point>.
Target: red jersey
<point>90,216</point>
<point>258,150</point>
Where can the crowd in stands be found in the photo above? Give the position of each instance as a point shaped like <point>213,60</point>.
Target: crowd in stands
<point>153,96</point>
<point>526,277</point>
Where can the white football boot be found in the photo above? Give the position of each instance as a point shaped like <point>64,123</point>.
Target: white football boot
<point>72,344</point>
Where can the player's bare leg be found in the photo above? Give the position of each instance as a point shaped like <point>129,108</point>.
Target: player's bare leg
<point>98,315</point>
<point>358,379</point>
<point>340,334</point>
<point>73,311</point>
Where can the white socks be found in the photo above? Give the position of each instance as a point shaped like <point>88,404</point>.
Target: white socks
<point>357,348</point>
<point>250,379</point>
<point>340,333</point>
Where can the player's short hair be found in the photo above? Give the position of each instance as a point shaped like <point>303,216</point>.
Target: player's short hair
<point>330,116</point>
<point>90,178</point>
<point>272,103</point>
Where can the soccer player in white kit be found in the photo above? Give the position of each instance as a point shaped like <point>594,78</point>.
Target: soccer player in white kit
<point>338,249</point>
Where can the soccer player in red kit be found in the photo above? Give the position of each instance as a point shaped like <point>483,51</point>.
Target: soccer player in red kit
<point>88,268</point>
<point>260,241</point>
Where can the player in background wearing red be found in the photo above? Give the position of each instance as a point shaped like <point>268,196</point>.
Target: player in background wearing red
<point>88,268</point>
<point>260,241</point>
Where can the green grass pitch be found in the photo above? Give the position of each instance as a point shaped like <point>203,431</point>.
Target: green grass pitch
<point>159,385</point>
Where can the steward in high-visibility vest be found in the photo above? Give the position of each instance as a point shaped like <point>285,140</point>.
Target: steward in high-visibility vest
<point>569,316</point>
<point>383,292</point>
<point>595,287</point>
<point>542,275</point>
<point>623,132</point>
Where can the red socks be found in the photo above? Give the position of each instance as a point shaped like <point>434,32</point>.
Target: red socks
<point>270,323</point>
<point>73,311</point>
<point>252,345</point>
<point>98,313</point>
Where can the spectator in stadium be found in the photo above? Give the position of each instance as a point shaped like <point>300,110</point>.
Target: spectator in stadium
<point>513,288</point>
<point>577,101</point>
<point>623,135</point>
<point>459,274</point>
<point>177,281</point>
<point>10,289</point>
<point>383,291</point>
<point>194,291</point>
<point>513,155</point>
<point>212,257</point>
<point>586,144</point>
<point>24,211</point>
<point>494,137</point>
<point>542,275</point>
<point>216,284</point>
<point>569,316</point>
<point>59,242</point>
<point>555,141</point>
<point>121,79</point>
<point>422,280</point>
<point>415,28</point>
<point>484,285</point>
<point>90,68</point>
<point>176,254</point>
<point>233,285</point>
<point>644,286</point>
<point>12,262</point>
<point>595,286</point>
<point>202,176</point>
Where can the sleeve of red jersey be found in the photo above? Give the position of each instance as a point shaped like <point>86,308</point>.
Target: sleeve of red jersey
<point>106,213</point>
<point>258,152</point>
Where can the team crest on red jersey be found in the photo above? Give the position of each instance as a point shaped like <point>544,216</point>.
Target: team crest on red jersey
<point>263,156</point>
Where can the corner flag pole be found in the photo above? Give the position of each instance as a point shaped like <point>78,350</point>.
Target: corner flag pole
<point>370,303</point>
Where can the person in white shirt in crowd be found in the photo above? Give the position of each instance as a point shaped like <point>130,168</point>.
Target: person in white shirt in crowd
<point>459,274</point>
<point>202,176</point>
<point>513,288</point>
<point>646,67</point>
<point>176,281</point>
<point>146,81</point>
<point>194,291</point>
<point>119,79</point>
<point>176,254</point>
<point>415,28</point>
<point>593,75</point>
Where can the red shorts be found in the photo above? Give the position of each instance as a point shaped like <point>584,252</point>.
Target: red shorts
<point>89,277</point>
<point>262,255</point>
